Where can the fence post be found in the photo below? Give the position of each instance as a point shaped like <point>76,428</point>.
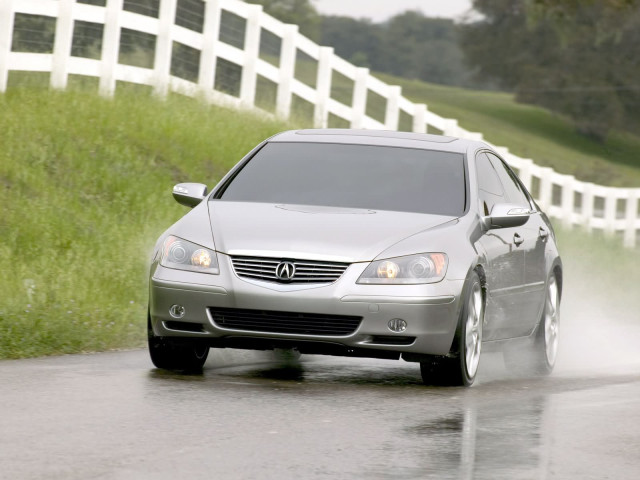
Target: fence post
<point>587,206</point>
<point>359,101</point>
<point>610,213</point>
<point>164,48</point>
<point>62,45</point>
<point>419,118</point>
<point>524,172</point>
<point>545,187</point>
<point>451,127</point>
<point>392,115</point>
<point>210,33</point>
<point>287,69</point>
<point>631,217</point>
<point>6,36</point>
<point>110,47</point>
<point>251,53</point>
<point>323,87</point>
<point>567,200</point>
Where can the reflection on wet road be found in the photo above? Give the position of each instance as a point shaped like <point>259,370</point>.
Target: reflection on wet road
<point>113,416</point>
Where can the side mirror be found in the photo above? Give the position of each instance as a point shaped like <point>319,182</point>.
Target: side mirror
<point>504,215</point>
<point>189,194</point>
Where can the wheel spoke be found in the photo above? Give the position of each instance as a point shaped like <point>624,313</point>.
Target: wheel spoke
<point>473,330</point>
<point>551,321</point>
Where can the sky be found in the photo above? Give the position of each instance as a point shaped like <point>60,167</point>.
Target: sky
<point>380,10</point>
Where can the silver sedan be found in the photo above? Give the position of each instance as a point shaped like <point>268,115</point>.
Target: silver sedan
<point>360,243</point>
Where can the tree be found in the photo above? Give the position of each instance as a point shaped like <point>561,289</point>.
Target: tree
<point>408,45</point>
<point>576,58</point>
<point>299,12</point>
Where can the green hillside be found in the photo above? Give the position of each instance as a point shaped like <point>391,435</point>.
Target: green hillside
<point>532,132</point>
<point>85,189</point>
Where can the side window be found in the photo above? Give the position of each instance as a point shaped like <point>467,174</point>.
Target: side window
<point>512,187</point>
<point>490,190</point>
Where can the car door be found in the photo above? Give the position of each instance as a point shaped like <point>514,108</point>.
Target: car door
<point>534,235</point>
<point>505,258</point>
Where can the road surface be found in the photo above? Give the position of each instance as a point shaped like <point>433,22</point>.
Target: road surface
<point>113,416</point>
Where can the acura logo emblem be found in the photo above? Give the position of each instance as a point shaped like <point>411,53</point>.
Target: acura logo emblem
<point>285,271</point>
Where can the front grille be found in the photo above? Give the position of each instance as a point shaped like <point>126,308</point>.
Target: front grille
<point>284,322</point>
<point>305,271</point>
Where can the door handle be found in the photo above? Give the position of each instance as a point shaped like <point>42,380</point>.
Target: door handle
<point>543,233</point>
<point>517,239</point>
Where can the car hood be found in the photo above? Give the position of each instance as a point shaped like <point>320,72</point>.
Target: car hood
<point>310,232</point>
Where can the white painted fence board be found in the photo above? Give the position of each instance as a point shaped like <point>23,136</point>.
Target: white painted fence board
<point>268,71</point>
<point>188,37</point>
<point>241,9</point>
<point>344,68</point>
<point>47,8</point>
<point>377,86</point>
<point>84,66</point>
<point>30,62</point>
<point>139,22</point>
<point>272,24</point>
<point>304,91</point>
<point>307,46</point>
<point>89,13</point>
<point>340,109</point>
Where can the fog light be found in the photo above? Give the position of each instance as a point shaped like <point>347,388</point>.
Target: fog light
<point>176,311</point>
<point>397,325</point>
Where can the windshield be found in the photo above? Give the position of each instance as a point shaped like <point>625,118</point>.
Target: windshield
<point>352,176</point>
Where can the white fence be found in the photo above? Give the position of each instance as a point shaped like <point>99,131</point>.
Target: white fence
<point>234,50</point>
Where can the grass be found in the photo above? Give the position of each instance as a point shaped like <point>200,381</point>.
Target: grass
<point>532,132</point>
<point>85,189</point>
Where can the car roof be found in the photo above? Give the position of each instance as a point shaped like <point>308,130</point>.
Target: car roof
<point>376,137</point>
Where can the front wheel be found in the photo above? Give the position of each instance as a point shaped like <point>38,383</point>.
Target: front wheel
<point>461,365</point>
<point>168,355</point>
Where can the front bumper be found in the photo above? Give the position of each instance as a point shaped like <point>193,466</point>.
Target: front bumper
<point>431,310</point>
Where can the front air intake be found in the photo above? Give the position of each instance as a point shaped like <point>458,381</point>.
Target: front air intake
<point>268,321</point>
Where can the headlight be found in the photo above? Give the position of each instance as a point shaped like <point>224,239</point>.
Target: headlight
<point>413,269</point>
<point>183,255</point>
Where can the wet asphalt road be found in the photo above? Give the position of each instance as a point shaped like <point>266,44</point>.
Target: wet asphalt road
<point>112,415</point>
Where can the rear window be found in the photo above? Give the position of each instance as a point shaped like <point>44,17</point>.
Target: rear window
<point>353,176</point>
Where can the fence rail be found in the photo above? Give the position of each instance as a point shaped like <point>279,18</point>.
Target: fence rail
<point>231,53</point>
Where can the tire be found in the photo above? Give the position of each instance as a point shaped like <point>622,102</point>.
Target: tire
<point>461,365</point>
<point>539,357</point>
<point>185,356</point>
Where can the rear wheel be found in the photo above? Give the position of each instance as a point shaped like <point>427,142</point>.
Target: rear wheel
<point>170,355</point>
<point>539,358</point>
<point>461,365</point>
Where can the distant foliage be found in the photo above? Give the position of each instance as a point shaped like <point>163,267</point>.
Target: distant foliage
<point>578,59</point>
<point>299,12</point>
<point>409,45</point>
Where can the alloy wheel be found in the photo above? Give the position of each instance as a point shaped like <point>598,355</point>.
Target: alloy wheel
<point>551,321</point>
<point>473,330</point>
